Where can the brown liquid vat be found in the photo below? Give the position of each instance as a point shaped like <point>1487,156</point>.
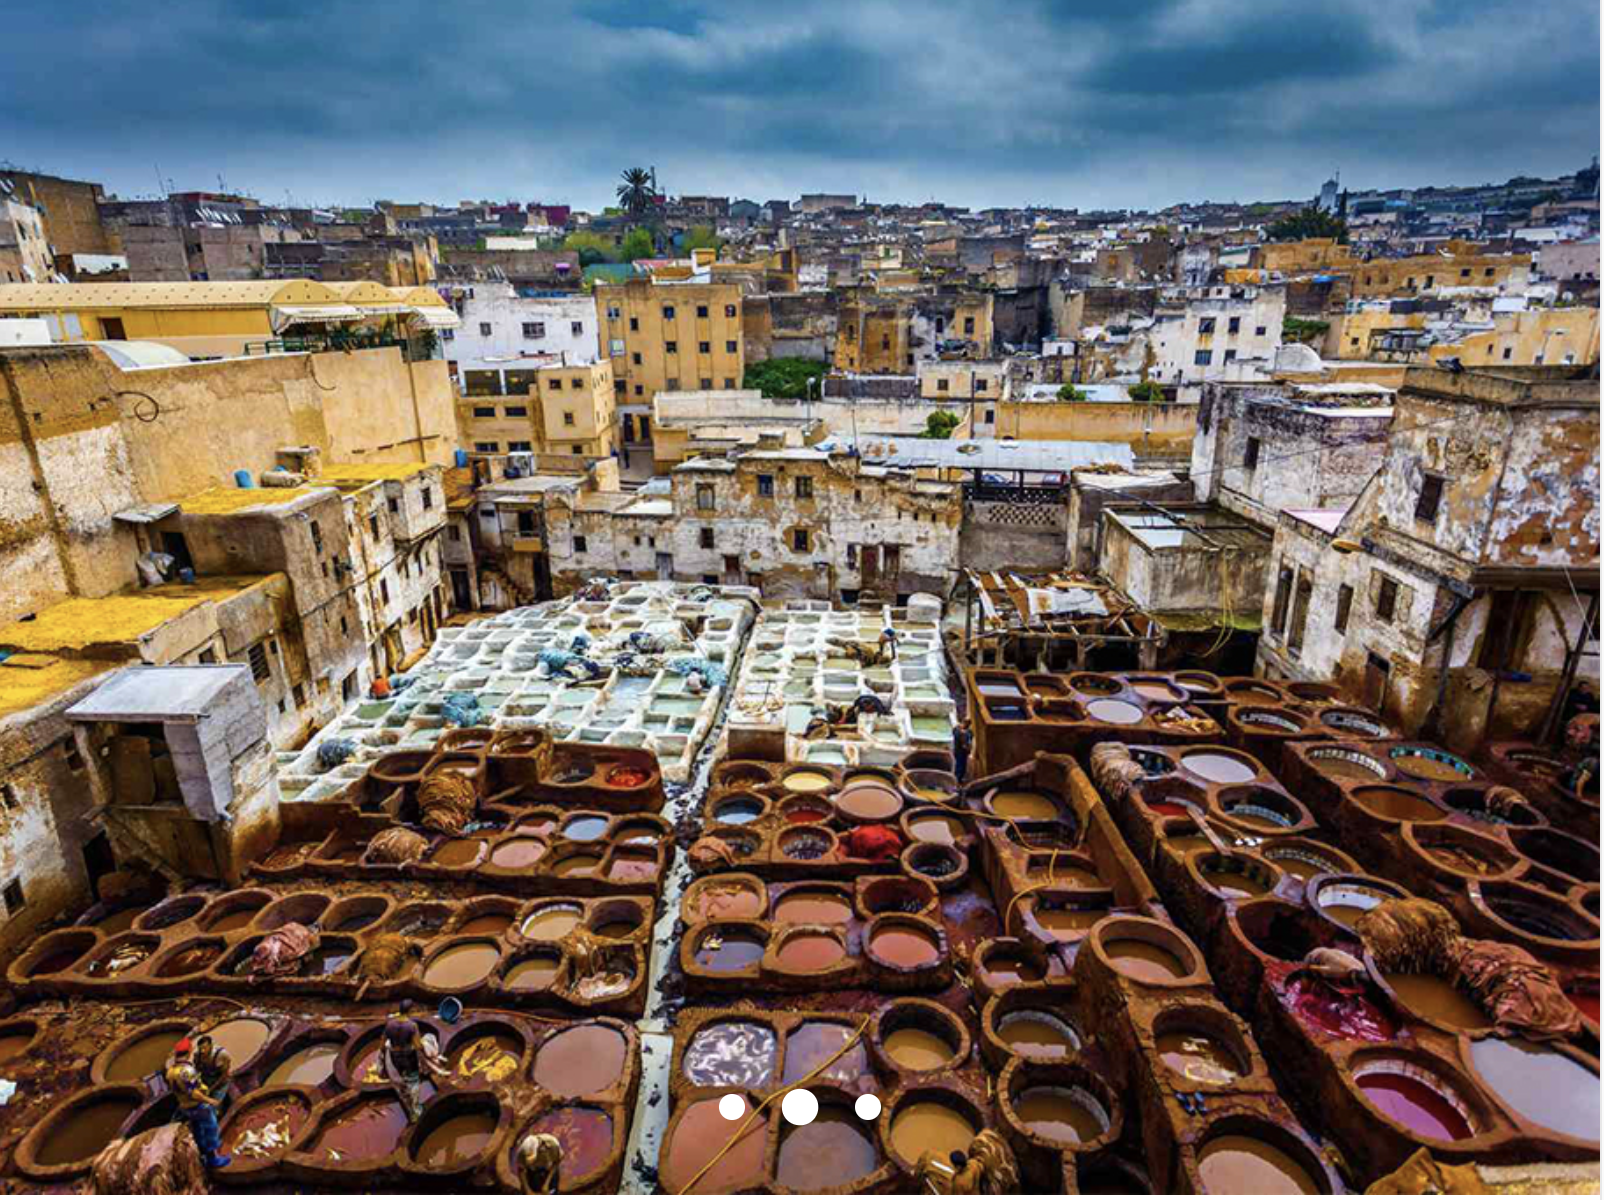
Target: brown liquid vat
<point>125,955</point>
<point>1031,1023</point>
<point>17,1038</point>
<point>188,958</point>
<point>1249,1154</point>
<point>1233,877</point>
<point>456,1133</point>
<point>1341,899</point>
<point>815,951</point>
<point>836,1150</point>
<point>1553,929</point>
<point>277,1111</point>
<point>918,1036</point>
<point>354,1134</point>
<point>356,914</point>
<point>1564,854</point>
<point>589,1058</point>
<point>724,897</point>
<point>169,913</point>
<point>910,895</point>
<point>1220,765</point>
<point>592,1149</point>
<point>924,1117</point>
<point>946,867</point>
<point>908,948</point>
<point>812,904</point>
<point>64,1142</point>
<point>300,908</point>
<point>1547,1088</point>
<point>308,1060</point>
<point>727,949</point>
<point>142,1053</point>
<point>233,911</point>
<point>1388,806</point>
<point>1304,858</point>
<point>358,1065</point>
<point>1203,1047</point>
<point>696,1134</point>
<point>53,954</point>
<point>1146,953</point>
<point>1059,1108</point>
<point>459,966</point>
<point>1003,962</point>
<point>1260,810</point>
<point>1440,850</point>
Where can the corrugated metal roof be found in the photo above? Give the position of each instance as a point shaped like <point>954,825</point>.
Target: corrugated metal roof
<point>16,297</point>
<point>986,454</point>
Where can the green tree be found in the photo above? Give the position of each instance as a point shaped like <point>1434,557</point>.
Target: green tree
<point>1072,393</point>
<point>701,237</point>
<point>1309,223</point>
<point>592,248</point>
<point>1146,392</point>
<point>941,424</point>
<point>636,195</point>
<point>784,378</point>
<point>637,243</point>
<point>1300,329</point>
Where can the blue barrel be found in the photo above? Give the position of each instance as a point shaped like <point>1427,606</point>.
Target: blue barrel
<point>243,479</point>
<point>462,458</point>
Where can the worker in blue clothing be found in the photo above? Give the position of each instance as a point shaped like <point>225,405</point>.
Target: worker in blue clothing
<point>196,1106</point>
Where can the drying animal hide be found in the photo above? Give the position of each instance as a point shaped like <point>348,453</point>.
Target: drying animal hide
<point>1114,770</point>
<point>159,1162</point>
<point>1409,935</point>
<point>397,845</point>
<point>1521,993</point>
<point>281,951</point>
<point>447,800</point>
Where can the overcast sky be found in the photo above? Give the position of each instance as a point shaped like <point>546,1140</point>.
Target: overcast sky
<point>1004,102</point>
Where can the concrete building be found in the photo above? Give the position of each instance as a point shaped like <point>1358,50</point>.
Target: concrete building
<point>541,408</point>
<point>70,208</point>
<point>25,255</point>
<point>500,329</point>
<point>1201,331</point>
<point>1459,588</point>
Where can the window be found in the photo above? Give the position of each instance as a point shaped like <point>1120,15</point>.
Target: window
<point>612,313</point>
<point>704,497</point>
<point>384,591</point>
<point>991,416</point>
<point>668,312</point>
<point>373,526</point>
<point>580,545</point>
<point>261,668</point>
<point>1205,326</point>
<point>706,382</point>
<point>452,533</point>
<point>852,556</point>
<point>1258,331</point>
<point>729,381</point>
<point>634,324</point>
<point>704,537</point>
<point>941,385</point>
<point>1283,593</point>
<point>618,386</point>
<point>1230,356</point>
<point>980,385</point>
<point>670,347</point>
<point>526,522</point>
<point>487,447</point>
<point>1429,499</point>
<point>704,347</point>
<point>555,383</point>
<point>1202,358</point>
<point>8,796</point>
<point>578,449</point>
<point>712,579</point>
<point>1387,598</point>
<point>729,347</point>
<point>1300,612</point>
<point>729,309</point>
<point>484,410</point>
<point>449,335</point>
<point>800,541</point>
<point>765,485</point>
<point>317,537</point>
<point>1344,605</point>
<point>1508,351</point>
<point>534,329</point>
<point>12,894</point>
<point>428,497</point>
<point>517,410</point>
<point>639,391</point>
<point>484,328</point>
<point>701,312</point>
<point>885,342</point>
<point>395,504</point>
<point>969,324</point>
<point>1464,273</point>
<point>577,328</point>
<point>672,383</point>
<point>1234,325</point>
<point>568,419</point>
<point>804,487</point>
<point>1250,457</point>
<point>1488,272</point>
<point>635,359</point>
<point>1430,279</point>
<point>299,692</point>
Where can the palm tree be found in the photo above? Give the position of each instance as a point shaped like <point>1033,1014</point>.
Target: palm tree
<point>636,195</point>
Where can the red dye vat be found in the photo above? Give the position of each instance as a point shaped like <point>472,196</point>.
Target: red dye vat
<point>802,814</point>
<point>1166,808</point>
<point>1586,1005</point>
<point>1416,1106</point>
<point>874,842</point>
<point>626,777</point>
<point>1337,1012</point>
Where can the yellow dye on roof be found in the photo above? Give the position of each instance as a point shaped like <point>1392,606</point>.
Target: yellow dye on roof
<point>220,501</point>
<point>76,625</point>
<point>335,474</point>
<point>29,680</point>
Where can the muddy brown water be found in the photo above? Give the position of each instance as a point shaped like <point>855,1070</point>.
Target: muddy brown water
<point>1153,690</point>
<point>535,973</point>
<point>1198,1056</point>
<point>1067,924</point>
<point>1395,804</point>
<point>813,908</point>
<point>811,1042</point>
<point>1003,969</point>
<point>518,853</point>
<point>632,867</point>
<point>726,901</point>
<point>242,1038</point>
<point>1143,960</point>
<point>586,1135</point>
<point>729,951</point>
<point>1437,999</point>
<point>143,1057</point>
<point>456,1140</point>
<point>1252,1167</point>
<point>311,1065</point>
<point>617,929</point>
<point>363,1131</point>
<point>697,1138</point>
<point>810,952</point>
<point>929,1126</point>
<point>120,921</point>
<point>869,801</point>
<point>85,1132</point>
<point>1038,1035</point>
<point>492,924</point>
<point>576,864</point>
<point>1217,768</point>
<point>808,781</point>
<point>1345,914</point>
<point>1424,766</point>
<point>1540,1084</point>
<point>458,852</point>
<point>832,1150</point>
<point>552,921</point>
<point>916,1049</point>
<point>1236,884</point>
<point>1061,1114</point>
<point>461,966</point>
<point>1338,767</point>
<point>903,946</point>
<point>581,1060</point>
<point>1024,806</point>
<point>275,1123</point>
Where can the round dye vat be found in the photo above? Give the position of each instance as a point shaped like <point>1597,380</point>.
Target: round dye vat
<point>1143,961</point>
<point>1232,883</point>
<point>327,957</point>
<point>812,908</point>
<point>807,781</point>
<point>1114,712</point>
<point>729,951</point>
<point>1003,969</point>
<point>576,864</point>
<point>1396,804</point>
<point>1343,764</point>
<point>518,853</point>
<point>1066,924</point>
<point>535,973</point>
<point>1252,1167</point>
<point>1345,903</point>
<point>916,1049</point>
<point>552,921</point>
<point>728,901</point>
<point>1185,843</point>
<point>586,1135</point>
<point>869,801</point>
<point>632,866</point>
<point>1413,1099</point>
<point>124,958</point>
<point>1198,1056</point>
<point>1024,806</point>
<point>361,1132</point>
<point>143,1057</point>
<point>928,1126</point>
<point>581,1060</point>
<point>738,811</point>
<point>1157,689</point>
<point>1299,862</point>
<point>904,946</point>
<point>584,829</point>
<point>731,1054</point>
<point>617,930</point>
<point>16,1041</point>
<point>1217,768</point>
<point>457,852</point>
<point>490,1059</point>
<point>812,1042</point>
<point>1540,1084</point>
<point>242,1038</point>
<point>263,1130</point>
<point>698,1136</point>
<point>85,1132</point>
<point>810,952</point>
<point>461,966</point>
<point>492,924</point>
<point>457,1139</point>
<point>1037,1034</point>
<point>311,1065</point>
<point>830,1151</point>
<point>1436,999</point>
<point>120,921</point>
<point>936,827</point>
<point>1060,1114</point>
<point>807,813</point>
<point>1423,763</point>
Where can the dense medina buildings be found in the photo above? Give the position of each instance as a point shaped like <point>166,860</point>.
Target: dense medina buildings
<point>1025,666</point>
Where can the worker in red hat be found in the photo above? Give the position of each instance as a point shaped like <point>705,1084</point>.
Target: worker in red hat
<point>196,1106</point>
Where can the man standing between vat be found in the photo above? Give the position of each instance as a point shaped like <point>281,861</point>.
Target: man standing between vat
<point>196,1105</point>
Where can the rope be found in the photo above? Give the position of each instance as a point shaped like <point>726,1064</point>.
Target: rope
<point>856,1037</point>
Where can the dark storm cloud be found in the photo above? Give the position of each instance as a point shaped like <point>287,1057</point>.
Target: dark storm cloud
<point>997,101</point>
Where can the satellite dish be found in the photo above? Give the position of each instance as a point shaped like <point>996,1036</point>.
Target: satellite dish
<point>7,187</point>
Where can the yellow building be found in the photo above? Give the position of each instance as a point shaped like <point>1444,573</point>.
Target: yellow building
<point>668,337</point>
<point>1532,337</point>
<point>551,410</point>
<point>1459,264</point>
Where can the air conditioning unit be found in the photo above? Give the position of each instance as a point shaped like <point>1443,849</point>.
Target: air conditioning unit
<point>521,461</point>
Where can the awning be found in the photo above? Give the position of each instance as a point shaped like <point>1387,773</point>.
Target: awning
<point>383,310</point>
<point>285,315</point>
<point>145,514</point>
<point>436,318</point>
